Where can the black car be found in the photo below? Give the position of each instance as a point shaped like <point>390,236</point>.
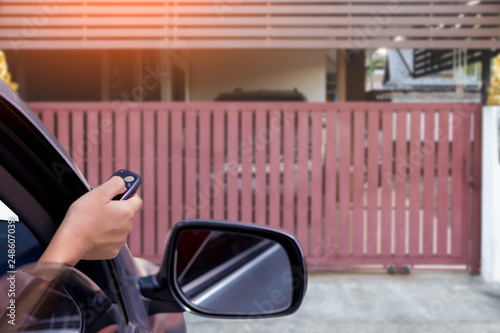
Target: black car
<point>211,268</point>
<point>239,95</point>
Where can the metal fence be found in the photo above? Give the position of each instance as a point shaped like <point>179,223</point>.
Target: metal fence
<point>357,183</point>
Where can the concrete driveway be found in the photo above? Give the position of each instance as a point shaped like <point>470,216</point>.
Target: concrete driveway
<point>373,303</point>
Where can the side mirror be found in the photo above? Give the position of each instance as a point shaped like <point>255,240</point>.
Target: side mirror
<point>227,269</point>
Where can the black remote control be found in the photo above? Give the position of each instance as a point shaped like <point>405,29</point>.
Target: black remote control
<point>132,182</point>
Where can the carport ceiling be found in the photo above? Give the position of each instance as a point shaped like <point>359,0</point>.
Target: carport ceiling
<point>243,24</point>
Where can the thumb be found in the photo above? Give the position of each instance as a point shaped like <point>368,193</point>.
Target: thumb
<point>114,186</point>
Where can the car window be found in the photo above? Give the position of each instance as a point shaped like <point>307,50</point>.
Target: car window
<point>37,305</point>
<point>40,306</point>
<point>18,245</point>
<point>56,312</point>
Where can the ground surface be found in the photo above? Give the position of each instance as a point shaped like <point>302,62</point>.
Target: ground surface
<point>372,303</point>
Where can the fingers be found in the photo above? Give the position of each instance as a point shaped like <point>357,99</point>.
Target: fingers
<point>114,186</point>
<point>135,202</point>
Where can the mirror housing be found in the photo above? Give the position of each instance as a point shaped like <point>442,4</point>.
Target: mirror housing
<point>226,269</point>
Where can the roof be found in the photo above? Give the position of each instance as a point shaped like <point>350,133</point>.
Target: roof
<point>243,24</point>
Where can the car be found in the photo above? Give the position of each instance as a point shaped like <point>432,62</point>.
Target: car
<point>211,268</point>
<point>238,95</point>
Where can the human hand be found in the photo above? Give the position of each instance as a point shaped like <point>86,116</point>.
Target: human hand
<point>95,226</point>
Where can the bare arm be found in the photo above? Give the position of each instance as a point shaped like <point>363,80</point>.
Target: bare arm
<point>95,227</point>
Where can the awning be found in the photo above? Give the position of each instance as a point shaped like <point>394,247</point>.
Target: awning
<point>243,24</point>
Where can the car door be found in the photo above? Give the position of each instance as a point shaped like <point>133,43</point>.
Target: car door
<point>39,181</point>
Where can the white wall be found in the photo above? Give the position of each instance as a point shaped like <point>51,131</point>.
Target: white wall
<point>490,209</point>
<point>218,71</point>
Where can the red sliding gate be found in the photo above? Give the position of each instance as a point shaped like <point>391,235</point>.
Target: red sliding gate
<point>357,183</point>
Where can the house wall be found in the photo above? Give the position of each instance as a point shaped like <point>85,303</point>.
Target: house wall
<point>218,71</point>
<point>490,210</point>
<point>48,75</point>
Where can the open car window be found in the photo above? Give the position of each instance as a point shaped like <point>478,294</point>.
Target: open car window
<point>33,300</point>
<point>56,298</point>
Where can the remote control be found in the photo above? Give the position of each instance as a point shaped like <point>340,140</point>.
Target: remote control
<point>132,182</point>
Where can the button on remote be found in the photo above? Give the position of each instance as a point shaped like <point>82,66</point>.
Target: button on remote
<point>132,182</point>
<point>129,179</point>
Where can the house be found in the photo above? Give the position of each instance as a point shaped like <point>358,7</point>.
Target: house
<point>192,51</point>
<point>300,166</point>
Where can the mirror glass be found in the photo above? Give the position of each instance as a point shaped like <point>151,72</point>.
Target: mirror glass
<point>233,273</point>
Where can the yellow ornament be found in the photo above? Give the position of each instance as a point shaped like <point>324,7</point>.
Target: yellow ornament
<point>4,72</point>
<point>494,90</point>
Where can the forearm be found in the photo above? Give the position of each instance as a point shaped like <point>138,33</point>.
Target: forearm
<point>62,249</point>
<point>95,226</point>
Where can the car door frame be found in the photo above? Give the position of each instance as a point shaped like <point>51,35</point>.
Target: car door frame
<point>40,181</point>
